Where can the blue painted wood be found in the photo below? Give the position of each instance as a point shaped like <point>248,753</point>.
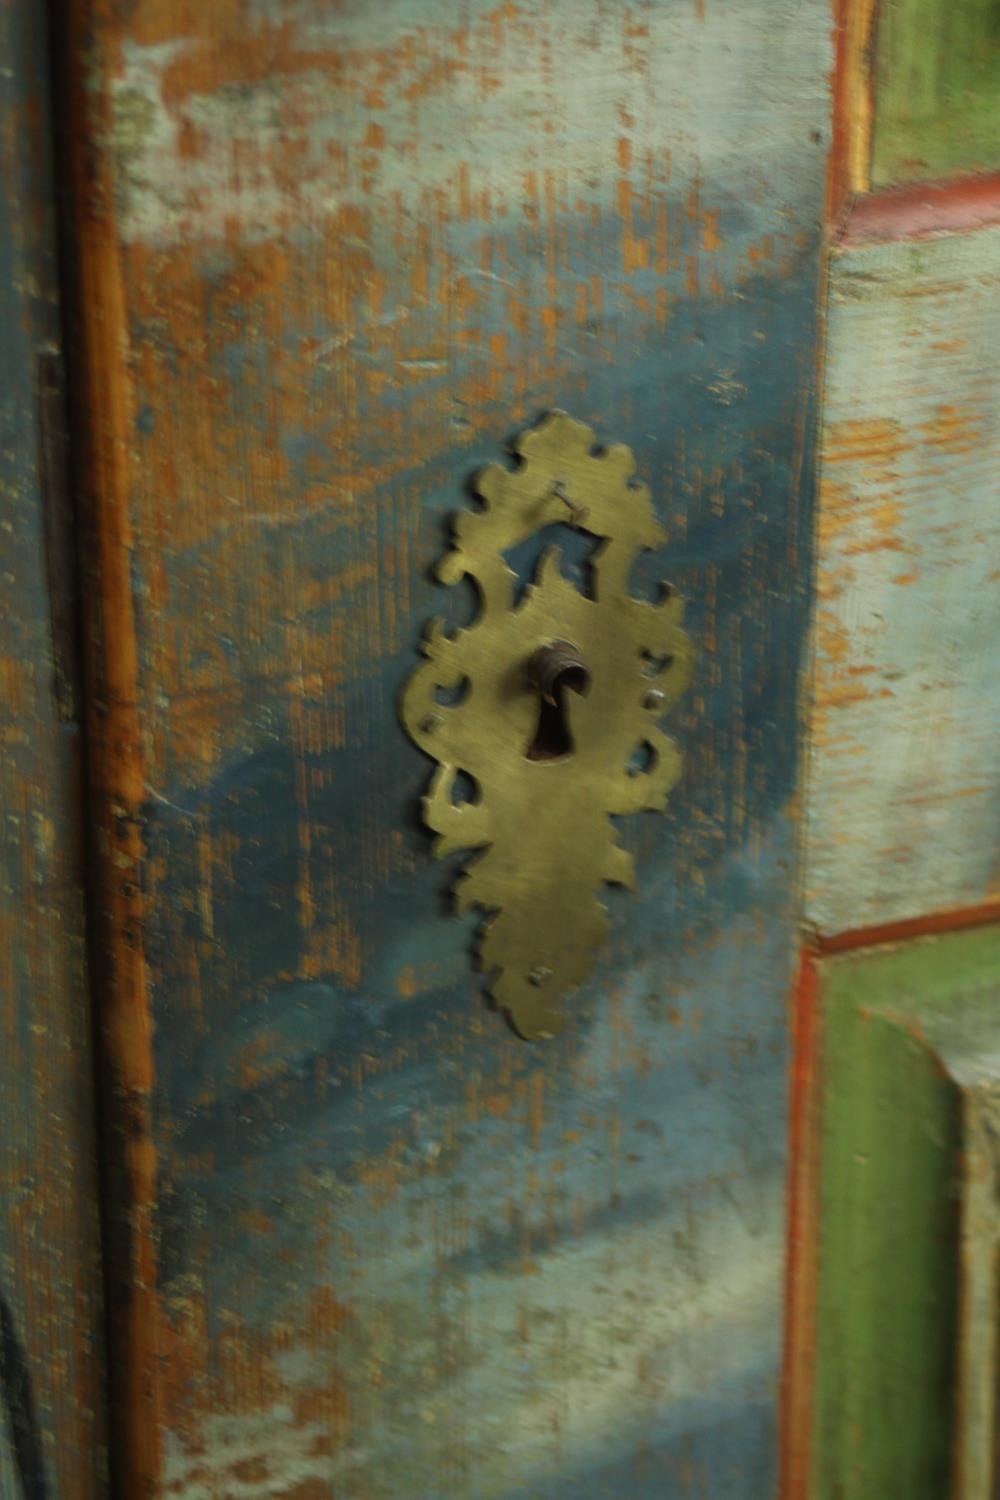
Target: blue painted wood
<point>397,1251</point>
<point>51,1320</point>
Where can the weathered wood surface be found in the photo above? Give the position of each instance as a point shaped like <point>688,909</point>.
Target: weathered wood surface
<point>51,1331</point>
<point>977,1435</point>
<point>904,780</point>
<point>330,256</point>
<point>936,85</point>
<point>907,1303</point>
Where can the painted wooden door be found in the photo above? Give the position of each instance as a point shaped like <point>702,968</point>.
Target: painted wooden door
<point>892,1363</point>
<point>321,263</point>
<point>365,1241</point>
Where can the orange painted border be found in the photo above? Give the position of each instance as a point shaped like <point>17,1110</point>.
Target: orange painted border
<point>103,423</point>
<point>803,1224</point>
<point>852,85</point>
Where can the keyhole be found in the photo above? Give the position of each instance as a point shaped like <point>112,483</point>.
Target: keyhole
<point>555,670</point>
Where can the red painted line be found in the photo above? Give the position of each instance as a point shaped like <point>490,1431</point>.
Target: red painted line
<point>803,1222</point>
<point>961,203</point>
<point>903,932</point>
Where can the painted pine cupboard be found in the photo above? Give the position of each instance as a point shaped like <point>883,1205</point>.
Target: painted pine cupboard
<point>330,259</point>
<point>304,270</point>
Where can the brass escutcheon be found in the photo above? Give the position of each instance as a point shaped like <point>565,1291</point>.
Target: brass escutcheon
<point>559,691</point>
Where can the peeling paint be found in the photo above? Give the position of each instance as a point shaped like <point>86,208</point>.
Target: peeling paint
<point>905,774</point>
<point>388,1249</point>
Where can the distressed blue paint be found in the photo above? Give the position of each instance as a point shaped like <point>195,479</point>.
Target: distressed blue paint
<point>712,1168</point>
<point>590,1303</point>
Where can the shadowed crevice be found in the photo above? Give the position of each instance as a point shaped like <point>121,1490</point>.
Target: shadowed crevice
<point>19,1404</point>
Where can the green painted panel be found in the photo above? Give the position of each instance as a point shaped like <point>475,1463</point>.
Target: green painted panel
<point>899,1027</point>
<point>937,89</point>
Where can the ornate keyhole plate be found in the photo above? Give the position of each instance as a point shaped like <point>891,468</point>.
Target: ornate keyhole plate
<point>552,705</point>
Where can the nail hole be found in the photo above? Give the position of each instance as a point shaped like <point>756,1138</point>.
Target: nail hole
<point>451,696</point>
<point>653,665</point>
<point>642,759</point>
<point>464,789</point>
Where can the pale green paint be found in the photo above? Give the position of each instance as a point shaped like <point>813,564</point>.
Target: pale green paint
<point>937,89</point>
<point>903,1031</point>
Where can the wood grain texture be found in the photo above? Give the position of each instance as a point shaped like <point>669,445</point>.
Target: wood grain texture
<point>937,90</point>
<point>908,1042</point>
<point>51,1328</point>
<point>977,1435</point>
<point>330,256</point>
<point>904,776</point>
